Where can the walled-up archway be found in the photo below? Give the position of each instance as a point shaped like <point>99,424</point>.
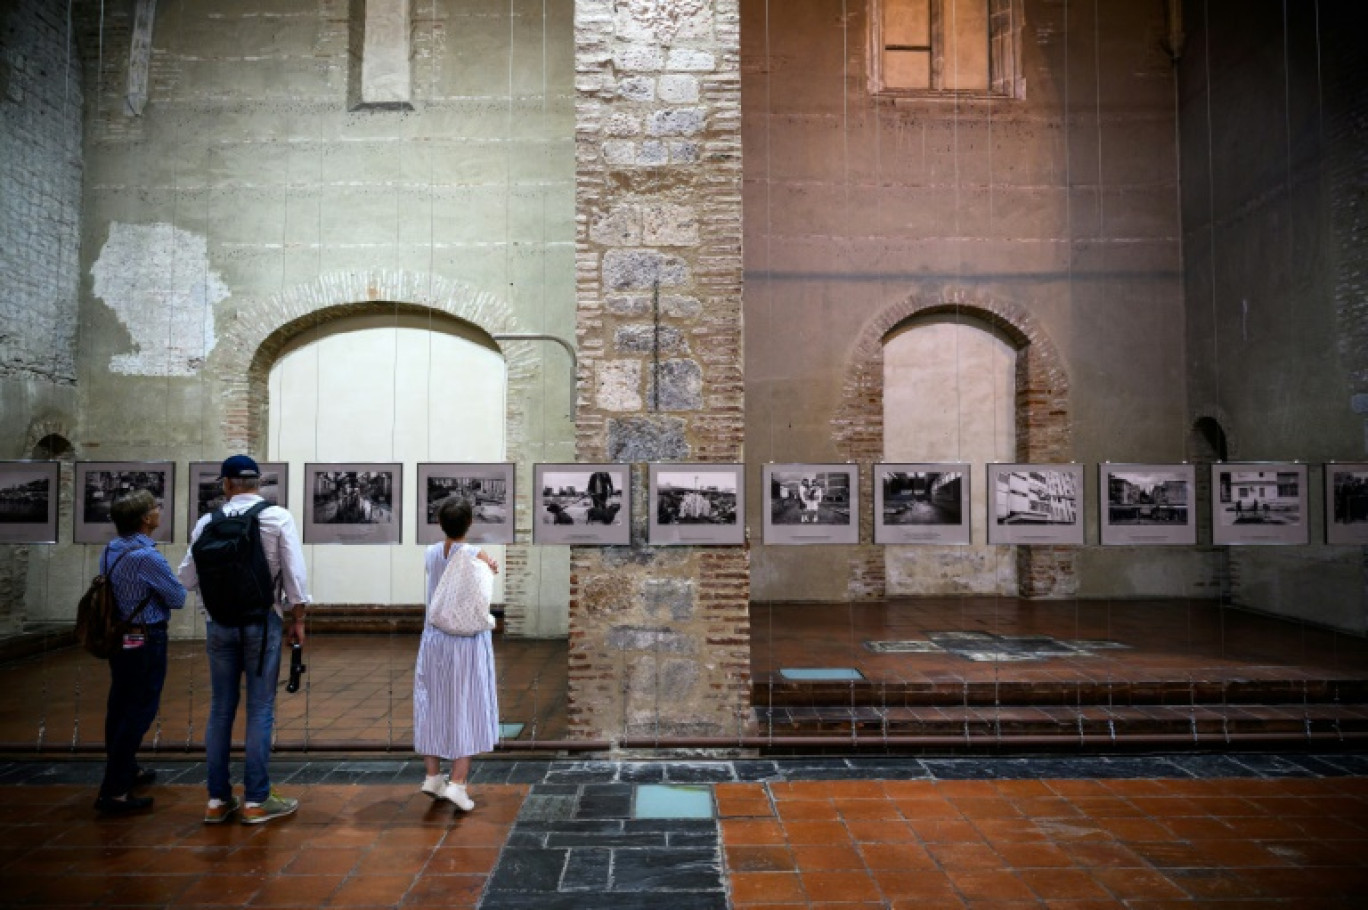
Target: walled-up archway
<point>1043,422</point>
<point>252,339</point>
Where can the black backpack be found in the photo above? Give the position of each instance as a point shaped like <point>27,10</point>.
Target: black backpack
<point>234,577</point>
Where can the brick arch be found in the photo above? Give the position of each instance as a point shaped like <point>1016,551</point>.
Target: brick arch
<point>252,338</point>
<point>1044,423</point>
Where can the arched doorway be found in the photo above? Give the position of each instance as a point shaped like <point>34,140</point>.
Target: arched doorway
<point>403,388</point>
<point>949,395</point>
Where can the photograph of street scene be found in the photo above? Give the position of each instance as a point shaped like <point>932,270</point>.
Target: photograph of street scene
<point>810,497</point>
<point>688,498</point>
<point>208,488</point>
<point>581,497</point>
<point>103,487</point>
<point>922,497</point>
<point>353,497</point>
<point>486,493</point>
<point>1147,498</point>
<point>1254,497</point>
<point>1036,497</point>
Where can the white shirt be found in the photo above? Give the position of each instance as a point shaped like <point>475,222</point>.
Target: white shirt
<point>279,540</point>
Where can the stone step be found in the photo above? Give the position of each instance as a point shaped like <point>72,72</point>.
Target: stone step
<point>1063,722</point>
<point>769,691</point>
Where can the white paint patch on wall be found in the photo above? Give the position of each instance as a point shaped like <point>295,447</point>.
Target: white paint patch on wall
<point>158,281</point>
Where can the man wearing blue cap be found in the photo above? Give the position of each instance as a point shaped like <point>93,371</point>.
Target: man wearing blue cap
<point>250,649</point>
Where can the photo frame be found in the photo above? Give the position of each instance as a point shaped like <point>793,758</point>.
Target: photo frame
<point>697,505</point>
<point>29,499</point>
<point>922,503</point>
<point>1147,504</point>
<point>98,482</point>
<point>353,503</point>
<point>490,487</point>
<point>582,504</point>
<point>1035,504</point>
<point>1346,504</point>
<point>812,504</point>
<point>1259,503</point>
<point>205,491</point>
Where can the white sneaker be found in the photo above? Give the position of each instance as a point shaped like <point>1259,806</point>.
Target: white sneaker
<point>456,793</point>
<point>433,786</point>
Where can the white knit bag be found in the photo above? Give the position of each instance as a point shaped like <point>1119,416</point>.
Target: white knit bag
<point>460,605</point>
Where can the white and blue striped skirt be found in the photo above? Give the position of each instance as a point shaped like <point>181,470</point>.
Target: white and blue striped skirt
<point>455,696</point>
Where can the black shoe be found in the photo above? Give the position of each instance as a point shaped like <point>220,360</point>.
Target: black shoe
<point>108,805</point>
<point>144,777</point>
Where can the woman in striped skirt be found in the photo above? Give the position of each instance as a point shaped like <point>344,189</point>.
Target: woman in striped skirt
<point>455,701</point>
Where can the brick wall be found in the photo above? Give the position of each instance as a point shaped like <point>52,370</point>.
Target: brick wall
<point>659,638</point>
<point>40,192</point>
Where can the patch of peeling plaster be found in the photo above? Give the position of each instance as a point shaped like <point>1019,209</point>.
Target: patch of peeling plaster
<point>157,280</point>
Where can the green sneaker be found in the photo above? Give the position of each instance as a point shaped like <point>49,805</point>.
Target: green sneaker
<point>275,806</point>
<point>217,815</point>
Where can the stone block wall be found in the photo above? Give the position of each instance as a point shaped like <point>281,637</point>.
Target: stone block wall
<point>659,638</point>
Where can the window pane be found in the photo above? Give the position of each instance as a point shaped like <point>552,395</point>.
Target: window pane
<point>966,51</point>
<point>907,70</point>
<point>907,23</point>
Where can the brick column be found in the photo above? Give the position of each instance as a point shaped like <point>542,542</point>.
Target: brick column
<point>659,637</point>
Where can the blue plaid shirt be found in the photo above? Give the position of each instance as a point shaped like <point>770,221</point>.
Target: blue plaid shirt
<point>142,572</point>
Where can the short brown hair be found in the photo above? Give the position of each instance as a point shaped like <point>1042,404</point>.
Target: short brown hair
<point>455,515</point>
<point>129,509</point>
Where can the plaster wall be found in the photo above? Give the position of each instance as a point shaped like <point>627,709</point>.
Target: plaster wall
<point>1272,116</point>
<point>248,203</point>
<point>1061,205</point>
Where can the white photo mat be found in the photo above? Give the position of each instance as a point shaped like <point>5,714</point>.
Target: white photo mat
<point>809,504</point>
<point>99,482</point>
<point>488,486</point>
<point>697,505</point>
<point>582,504</point>
<point>922,503</point>
<point>29,499</point>
<point>353,503</point>
<point>1346,504</point>
<point>1259,503</point>
<point>1147,504</point>
<point>1035,504</point>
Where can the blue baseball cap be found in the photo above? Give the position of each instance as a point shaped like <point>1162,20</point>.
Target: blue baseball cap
<point>237,467</point>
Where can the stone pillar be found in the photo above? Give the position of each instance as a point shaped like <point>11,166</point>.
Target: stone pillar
<point>659,637</point>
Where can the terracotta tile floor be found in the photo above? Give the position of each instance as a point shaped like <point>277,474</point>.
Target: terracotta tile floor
<point>349,846</point>
<point>888,845</point>
<point>915,834</point>
<point>359,688</point>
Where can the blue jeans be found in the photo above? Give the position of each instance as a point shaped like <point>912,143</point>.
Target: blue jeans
<point>233,653</point>
<point>136,677</point>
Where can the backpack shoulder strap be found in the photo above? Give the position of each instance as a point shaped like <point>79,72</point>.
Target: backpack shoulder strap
<point>257,509</point>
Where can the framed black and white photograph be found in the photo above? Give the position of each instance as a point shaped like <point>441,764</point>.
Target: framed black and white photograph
<point>1147,504</point>
<point>353,503</point>
<point>28,501</point>
<point>921,504</point>
<point>587,504</point>
<point>206,490</point>
<point>697,505</point>
<point>812,503</point>
<point>99,483</point>
<point>1346,504</point>
<point>1035,504</point>
<point>1259,503</point>
<point>488,488</point>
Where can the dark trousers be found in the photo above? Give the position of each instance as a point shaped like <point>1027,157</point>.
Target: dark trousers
<point>136,676</point>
